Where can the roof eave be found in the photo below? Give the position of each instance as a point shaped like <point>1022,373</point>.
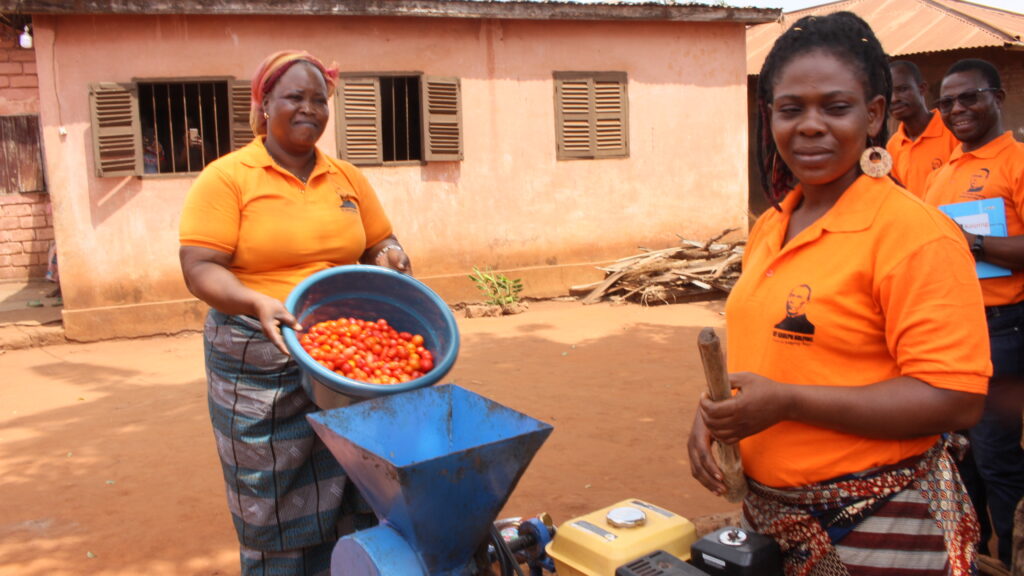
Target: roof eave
<point>1012,46</point>
<point>521,10</point>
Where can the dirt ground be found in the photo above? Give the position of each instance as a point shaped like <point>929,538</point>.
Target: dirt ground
<point>108,466</point>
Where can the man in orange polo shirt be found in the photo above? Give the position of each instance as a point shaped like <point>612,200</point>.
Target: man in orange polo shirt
<point>990,164</point>
<point>922,143</point>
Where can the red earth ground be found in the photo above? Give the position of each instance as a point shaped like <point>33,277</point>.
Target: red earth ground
<point>108,466</point>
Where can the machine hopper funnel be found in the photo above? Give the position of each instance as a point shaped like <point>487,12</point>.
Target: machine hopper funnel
<point>436,465</point>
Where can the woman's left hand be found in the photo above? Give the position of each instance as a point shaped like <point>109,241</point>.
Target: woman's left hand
<point>759,404</point>
<point>392,256</point>
<point>703,465</point>
<point>388,253</point>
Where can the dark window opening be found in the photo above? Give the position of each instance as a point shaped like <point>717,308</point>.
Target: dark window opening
<point>401,134</point>
<point>185,125</point>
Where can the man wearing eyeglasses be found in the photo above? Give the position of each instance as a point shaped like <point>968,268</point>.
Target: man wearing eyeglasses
<point>922,143</point>
<point>990,164</point>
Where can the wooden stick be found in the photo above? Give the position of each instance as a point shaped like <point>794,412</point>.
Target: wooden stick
<point>719,389</point>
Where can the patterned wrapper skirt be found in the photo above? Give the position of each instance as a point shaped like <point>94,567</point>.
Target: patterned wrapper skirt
<point>285,490</point>
<point>909,519</point>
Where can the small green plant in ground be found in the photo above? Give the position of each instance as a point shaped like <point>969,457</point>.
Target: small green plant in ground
<point>499,289</point>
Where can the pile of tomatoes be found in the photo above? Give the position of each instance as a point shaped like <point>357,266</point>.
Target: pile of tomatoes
<point>368,351</point>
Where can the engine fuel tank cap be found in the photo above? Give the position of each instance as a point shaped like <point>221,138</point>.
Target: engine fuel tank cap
<point>732,537</point>
<point>626,517</point>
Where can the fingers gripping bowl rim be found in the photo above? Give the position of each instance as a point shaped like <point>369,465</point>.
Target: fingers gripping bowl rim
<point>369,293</point>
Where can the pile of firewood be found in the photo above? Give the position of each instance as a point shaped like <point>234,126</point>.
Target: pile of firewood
<point>690,272</point>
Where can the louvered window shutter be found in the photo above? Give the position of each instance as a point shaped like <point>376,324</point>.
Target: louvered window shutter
<point>442,119</point>
<point>358,121</point>
<point>241,102</point>
<point>572,114</point>
<point>116,138</point>
<point>591,112</point>
<point>611,126</point>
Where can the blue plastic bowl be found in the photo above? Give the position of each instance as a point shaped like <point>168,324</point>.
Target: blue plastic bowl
<point>369,293</point>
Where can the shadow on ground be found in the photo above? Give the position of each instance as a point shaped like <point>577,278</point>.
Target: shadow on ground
<point>108,466</point>
<point>35,302</point>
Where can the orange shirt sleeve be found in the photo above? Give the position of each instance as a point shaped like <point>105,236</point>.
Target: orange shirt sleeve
<point>212,212</point>
<point>933,313</point>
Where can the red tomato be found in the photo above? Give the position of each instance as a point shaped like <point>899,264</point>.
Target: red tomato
<point>367,350</point>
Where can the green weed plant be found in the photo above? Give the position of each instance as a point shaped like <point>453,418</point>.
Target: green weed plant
<point>499,289</point>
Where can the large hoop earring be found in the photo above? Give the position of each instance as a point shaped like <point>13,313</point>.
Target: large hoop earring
<point>876,162</point>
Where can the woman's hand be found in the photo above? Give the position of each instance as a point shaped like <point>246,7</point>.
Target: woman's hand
<point>758,404</point>
<point>392,256</point>
<point>388,253</point>
<point>272,315</point>
<point>703,465</point>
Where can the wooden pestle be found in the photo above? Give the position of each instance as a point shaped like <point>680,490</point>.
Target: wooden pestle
<point>719,389</point>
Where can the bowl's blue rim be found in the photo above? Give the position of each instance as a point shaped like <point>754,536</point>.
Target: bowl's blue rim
<point>355,387</point>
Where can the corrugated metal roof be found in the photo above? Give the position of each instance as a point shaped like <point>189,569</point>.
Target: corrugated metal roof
<point>906,26</point>
<point>619,10</point>
<point>611,2</point>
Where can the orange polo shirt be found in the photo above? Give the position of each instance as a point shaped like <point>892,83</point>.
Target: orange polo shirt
<point>279,230</point>
<point>914,160</point>
<point>996,170</point>
<point>887,288</point>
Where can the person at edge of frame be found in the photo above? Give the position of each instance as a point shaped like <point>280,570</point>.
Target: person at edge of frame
<point>989,164</point>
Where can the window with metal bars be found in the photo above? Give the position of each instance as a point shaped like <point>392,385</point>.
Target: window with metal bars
<point>184,125</point>
<point>591,115</point>
<point>167,127</point>
<point>398,118</point>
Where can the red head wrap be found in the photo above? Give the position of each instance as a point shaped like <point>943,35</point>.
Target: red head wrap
<point>271,70</point>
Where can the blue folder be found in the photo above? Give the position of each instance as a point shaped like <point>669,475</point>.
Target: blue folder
<point>986,217</point>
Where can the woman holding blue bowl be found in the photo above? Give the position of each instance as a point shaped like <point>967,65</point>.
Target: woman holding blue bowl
<point>255,224</point>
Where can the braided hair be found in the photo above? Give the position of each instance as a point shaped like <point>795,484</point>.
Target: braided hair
<point>843,35</point>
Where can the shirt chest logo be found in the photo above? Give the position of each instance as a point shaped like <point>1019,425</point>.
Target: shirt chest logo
<point>346,201</point>
<point>977,182</point>
<point>796,328</point>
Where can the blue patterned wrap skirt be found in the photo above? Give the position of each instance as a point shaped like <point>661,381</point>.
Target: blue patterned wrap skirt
<point>285,490</point>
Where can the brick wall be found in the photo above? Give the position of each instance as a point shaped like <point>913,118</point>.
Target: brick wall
<point>19,85</point>
<point>26,230</point>
<point>26,224</point>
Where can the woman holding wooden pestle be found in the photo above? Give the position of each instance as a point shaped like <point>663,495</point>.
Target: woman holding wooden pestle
<point>856,334</point>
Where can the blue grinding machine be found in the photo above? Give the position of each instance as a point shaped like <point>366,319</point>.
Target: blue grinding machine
<point>436,465</point>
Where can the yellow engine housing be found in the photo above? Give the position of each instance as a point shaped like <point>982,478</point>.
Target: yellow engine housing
<point>596,544</point>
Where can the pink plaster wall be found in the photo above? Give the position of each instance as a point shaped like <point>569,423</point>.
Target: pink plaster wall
<point>509,205</point>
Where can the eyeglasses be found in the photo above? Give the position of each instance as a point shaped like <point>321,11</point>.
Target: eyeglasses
<point>969,98</point>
